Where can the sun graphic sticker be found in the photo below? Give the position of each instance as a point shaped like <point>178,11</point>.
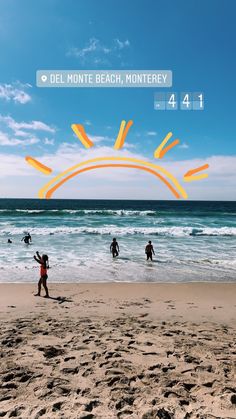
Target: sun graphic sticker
<point>119,162</point>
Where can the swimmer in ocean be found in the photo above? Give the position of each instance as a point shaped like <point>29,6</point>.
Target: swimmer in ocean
<point>149,250</point>
<point>114,248</point>
<point>27,238</point>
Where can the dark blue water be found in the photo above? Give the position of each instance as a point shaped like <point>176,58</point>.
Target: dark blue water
<point>194,241</point>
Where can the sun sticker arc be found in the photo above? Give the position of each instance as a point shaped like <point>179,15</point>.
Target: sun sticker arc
<point>118,162</point>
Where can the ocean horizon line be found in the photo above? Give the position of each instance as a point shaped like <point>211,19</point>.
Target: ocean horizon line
<point>117,199</point>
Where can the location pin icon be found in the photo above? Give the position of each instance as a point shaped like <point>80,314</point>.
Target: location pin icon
<point>44,78</point>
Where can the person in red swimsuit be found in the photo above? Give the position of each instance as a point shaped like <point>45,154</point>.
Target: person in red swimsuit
<point>44,265</point>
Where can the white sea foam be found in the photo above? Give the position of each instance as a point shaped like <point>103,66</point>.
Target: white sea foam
<point>191,241</point>
<point>173,231</point>
<point>111,212</point>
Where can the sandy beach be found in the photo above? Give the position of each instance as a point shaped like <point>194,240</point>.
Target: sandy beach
<point>118,351</point>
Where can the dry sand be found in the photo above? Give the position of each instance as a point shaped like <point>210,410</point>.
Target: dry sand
<point>118,351</point>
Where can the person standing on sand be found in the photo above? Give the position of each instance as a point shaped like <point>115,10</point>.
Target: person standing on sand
<point>44,266</point>
<point>149,250</point>
<point>114,248</point>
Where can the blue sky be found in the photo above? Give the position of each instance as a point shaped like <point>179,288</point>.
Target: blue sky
<point>194,39</point>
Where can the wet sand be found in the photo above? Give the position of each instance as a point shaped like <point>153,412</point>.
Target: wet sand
<point>144,351</point>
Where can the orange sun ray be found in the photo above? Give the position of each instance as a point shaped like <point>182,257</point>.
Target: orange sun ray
<point>123,131</point>
<point>169,147</point>
<point>198,169</point>
<point>38,166</point>
<point>129,124</point>
<point>81,134</point>
<point>191,176</point>
<point>161,150</point>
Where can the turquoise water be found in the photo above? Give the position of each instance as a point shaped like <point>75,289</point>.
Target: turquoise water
<point>194,241</point>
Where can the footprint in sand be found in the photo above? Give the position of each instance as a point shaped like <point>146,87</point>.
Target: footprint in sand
<point>57,406</point>
<point>51,351</point>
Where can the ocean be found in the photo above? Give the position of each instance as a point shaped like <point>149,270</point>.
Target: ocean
<point>193,240</point>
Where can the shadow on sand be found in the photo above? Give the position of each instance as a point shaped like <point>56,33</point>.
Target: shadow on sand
<point>59,299</point>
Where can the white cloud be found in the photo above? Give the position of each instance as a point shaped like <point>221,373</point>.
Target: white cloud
<point>184,145</point>
<point>92,45</point>
<point>122,44</point>
<point>99,138</point>
<point>16,92</point>
<point>48,141</point>
<point>13,166</point>
<point>151,133</point>
<point>96,52</point>
<point>129,146</point>
<point>33,125</point>
<point>221,167</point>
<point>69,154</point>
<point>6,140</point>
<point>118,184</point>
<point>23,133</point>
<point>87,122</point>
